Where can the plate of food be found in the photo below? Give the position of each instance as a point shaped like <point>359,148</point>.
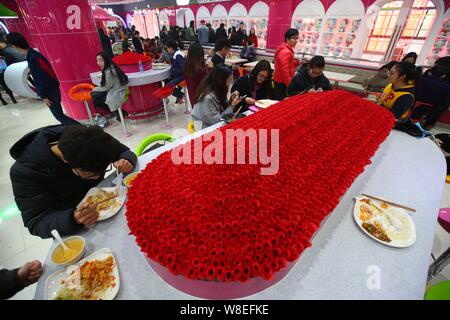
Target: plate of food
<point>96,277</point>
<point>265,103</point>
<point>159,66</point>
<point>110,202</point>
<point>387,224</point>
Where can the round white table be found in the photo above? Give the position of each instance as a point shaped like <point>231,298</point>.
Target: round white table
<point>342,262</point>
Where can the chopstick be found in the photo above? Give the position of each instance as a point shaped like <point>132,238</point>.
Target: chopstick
<point>232,119</point>
<point>97,203</point>
<point>389,202</point>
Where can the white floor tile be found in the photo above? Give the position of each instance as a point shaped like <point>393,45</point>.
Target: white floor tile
<point>11,239</point>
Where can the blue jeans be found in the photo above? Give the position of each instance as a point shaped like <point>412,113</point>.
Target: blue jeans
<point>56,108</point>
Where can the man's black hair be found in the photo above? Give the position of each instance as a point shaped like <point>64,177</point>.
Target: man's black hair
<point>290,33</point>
<point>172,44</point>
<point>18,40</point>
<point>317,62</point>
<point>88,148</point>
<point>222,43</point>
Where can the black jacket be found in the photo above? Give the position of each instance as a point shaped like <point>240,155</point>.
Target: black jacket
<point>245,86</point>
<point>45,80</point>
<point>302,82</point>
<point>212,36</point>
<point>9,283</point>
<point>221,33</point>
<point>241,35</point>
<point>45,188</point>
<point>137,45</point>
<point>216,59</point>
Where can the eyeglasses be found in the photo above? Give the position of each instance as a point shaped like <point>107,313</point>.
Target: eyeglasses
<point>94,175</point>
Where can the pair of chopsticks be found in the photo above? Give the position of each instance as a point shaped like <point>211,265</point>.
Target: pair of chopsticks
<point>97,203</point>
<point>389,202</point>
<point>232,119</point>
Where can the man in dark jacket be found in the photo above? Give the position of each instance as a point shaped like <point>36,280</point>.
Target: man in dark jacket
<point>12,281</point>
<point>11,56</point>
<point>241,35</point>
<point>54,169</point>
<point>309,78</point>
<point>212,35</point>
<point>176,69</point>
<point>137,44</point>
<point>221,33</point>
<point>45,80</point>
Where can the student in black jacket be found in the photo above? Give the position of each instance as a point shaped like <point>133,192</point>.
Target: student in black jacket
<point>309,78</point>
<point>45,80</point>
<point>222,50</point>
<point>54,169</point>
<point>221,33</point>
<point>12,281</point>
<point>137,44</point>
<point>257,85</point>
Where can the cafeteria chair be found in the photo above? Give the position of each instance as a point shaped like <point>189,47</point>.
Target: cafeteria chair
<point>241,71</point>
<point>163,94</point>
<point>82,93</point>
<point>420,110</point>
<point>142,146</point>
<point>440,291</point>
<point>183,85</point>
<point>444,259</point>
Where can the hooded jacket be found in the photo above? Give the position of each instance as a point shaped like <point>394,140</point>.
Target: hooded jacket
<point>285,64</point>
<point>45,188</point>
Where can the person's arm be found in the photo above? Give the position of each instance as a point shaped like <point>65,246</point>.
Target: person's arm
<point>109,82</point>
<point>297,86</point>
<point>9,283</point>
<point>125,153</point>
<point>325,84</point>
<point>402,104</point>
<point>40,210</point>
<point>38,77</point>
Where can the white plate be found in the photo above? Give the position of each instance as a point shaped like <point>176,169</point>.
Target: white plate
<point>53,282</point>
<point>397,244</point>
<point>106,214</point>
<point>265,103</point>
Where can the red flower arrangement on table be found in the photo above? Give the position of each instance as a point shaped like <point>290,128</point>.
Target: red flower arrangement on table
<point>228,222</point>
<point>129,61</point>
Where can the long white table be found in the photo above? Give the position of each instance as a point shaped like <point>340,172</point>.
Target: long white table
<point>342,259</point>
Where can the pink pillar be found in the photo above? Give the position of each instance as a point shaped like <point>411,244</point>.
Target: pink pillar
<point>280,16</point>
<point>65,32</point>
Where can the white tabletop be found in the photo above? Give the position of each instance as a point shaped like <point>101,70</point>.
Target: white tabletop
<point>235,61</point>
<point>342,258</point>
<point>338,77</point>
<point>139,78</point>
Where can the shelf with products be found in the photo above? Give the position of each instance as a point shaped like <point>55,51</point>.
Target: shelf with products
<point>441,45</point>
<point>340,34</point>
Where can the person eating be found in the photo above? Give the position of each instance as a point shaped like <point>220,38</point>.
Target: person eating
<point>309,78</point>
<point>55,167</point>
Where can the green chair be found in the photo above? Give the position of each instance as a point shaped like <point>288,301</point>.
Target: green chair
<point>440,291</point>
<point>164,137</point>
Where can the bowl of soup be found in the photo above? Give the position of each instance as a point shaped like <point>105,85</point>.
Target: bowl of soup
<point>64,257</point>
<point>128,180</point>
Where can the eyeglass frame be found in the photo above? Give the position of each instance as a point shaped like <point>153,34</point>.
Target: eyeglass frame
<point>99,174</point>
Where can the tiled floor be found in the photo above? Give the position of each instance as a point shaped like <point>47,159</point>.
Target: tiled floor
<point>17,245</point>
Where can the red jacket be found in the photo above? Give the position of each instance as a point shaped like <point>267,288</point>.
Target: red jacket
<point>254,40</point>
<point>285,64</point>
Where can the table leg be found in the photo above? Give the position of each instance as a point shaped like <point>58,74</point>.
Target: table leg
<point>88,110</point>
<point>124,126</point>
<point>336,84</point>
<point>439,265</point>
<point>168,125</point>
<point>186,97</point>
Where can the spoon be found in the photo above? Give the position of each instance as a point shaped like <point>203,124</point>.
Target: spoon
<point>56,235</point>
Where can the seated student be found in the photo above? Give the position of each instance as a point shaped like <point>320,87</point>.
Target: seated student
<point>309,78</point>
<point>256,85</point>
<point>410,57</point>
<point>249,52</point>
<point>222,50</point>
<point>399,94</point>
<point>194,69</point>
<point>113,86</point>
<point>435,91</point>
<point>13,281</point>
<point>211,101</point>
<point>380,80</point>
<point>164,56</point>
<point>55,167</point>
<point>176,69</point>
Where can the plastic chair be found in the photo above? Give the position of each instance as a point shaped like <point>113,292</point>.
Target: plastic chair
<point>151,139</point>
<point>190,127</point>
<point>82,93</point>
<point>440,291</point>
<point>183,85</point>
<point>163,93</point>
<point>444,219</point>
<point>241,71</point>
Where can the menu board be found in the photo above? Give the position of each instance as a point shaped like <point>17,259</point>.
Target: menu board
<point>339,36</point>
<point>441,45</point>
<point>309,33</point>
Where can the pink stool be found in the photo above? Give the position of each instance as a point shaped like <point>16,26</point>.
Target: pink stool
<point>444,218</point>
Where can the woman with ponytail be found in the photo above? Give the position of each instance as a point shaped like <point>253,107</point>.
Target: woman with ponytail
<point>399,95</point>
